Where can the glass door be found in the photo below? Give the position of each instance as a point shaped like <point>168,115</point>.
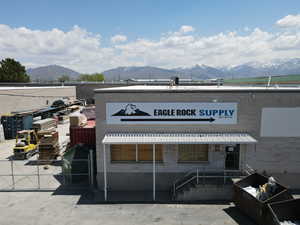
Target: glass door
<point>232,157</point>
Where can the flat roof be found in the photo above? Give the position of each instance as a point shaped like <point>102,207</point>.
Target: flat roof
<point>167,88</point>
<point>41,87</point>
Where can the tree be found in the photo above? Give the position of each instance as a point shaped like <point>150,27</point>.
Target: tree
<point>63,78</point>
<point>12,71</point>
<point>91,77</point>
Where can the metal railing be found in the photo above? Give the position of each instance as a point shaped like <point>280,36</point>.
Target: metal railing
<point>200,175</point>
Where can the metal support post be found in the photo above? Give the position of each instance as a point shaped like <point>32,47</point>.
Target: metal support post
<point>91,162</point>
<point>154,172</point>
<point>89,168</point>
<point>203,175</point>
<point>38,175</point>
<point>63,172</point>
<point>104,171</point>
<point>174,190</point>
<point>197,176</point>
<point>12,174</point>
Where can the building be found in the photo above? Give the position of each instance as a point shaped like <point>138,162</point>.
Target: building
<point>14,99</point>
<point>149,136</point>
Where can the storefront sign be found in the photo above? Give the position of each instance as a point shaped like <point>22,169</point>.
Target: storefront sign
<point>171,113</point>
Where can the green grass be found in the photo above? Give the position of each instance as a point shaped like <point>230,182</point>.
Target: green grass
<point>275,79</point>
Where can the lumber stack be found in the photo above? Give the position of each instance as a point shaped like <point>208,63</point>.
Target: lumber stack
<point>48,146</point>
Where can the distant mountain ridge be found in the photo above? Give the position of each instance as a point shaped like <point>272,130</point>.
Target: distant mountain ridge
<point>199,72</point>
<point>135,72</point>
<point>51,72</point>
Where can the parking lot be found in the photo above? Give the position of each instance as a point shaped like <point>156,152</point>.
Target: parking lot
<point>68,207</point>
<point>47,208</point>
<point>65,207</point>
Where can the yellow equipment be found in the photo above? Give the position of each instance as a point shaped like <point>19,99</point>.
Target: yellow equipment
<point>26,144</point>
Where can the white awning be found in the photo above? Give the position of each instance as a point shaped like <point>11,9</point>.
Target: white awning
<point>178,138</point>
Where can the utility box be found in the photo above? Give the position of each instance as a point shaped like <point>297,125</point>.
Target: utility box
<point>256,209</point>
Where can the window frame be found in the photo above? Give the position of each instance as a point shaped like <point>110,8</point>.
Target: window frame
<point>193,161</point>
<point>137,156</point>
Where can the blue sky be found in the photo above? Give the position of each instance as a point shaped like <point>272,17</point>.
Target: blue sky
<point>151,20</point>
<point>146,18</point>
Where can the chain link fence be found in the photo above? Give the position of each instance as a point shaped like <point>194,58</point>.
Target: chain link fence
<point>38,175</point>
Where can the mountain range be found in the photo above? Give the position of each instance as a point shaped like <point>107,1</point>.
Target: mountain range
<point>201,72</point>
<point>197,72</point>
<point>51,72</point>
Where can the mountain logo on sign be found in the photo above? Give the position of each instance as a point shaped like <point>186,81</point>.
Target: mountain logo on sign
<point>130,110</point>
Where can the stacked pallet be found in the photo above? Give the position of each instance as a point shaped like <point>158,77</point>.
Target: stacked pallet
<point>45,124</point>
<point>48,146</point>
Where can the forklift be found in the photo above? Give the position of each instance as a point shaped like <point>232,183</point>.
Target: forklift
<point>26,144</point>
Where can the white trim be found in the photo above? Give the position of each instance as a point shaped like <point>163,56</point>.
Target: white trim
<point>104,171</point>
<point>178,138</point>
<point>153,151</point>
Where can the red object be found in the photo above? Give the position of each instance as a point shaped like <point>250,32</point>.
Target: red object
<point>83,135</point>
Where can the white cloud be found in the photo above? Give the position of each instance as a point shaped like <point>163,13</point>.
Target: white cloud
<point>118,38</point>
<point>186,29</point>
<point>246,29</point>
<point>289,21</point>
<point>83,51</point>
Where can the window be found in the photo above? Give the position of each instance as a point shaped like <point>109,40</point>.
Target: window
<point>193,153</point>
<point>145,152</point>
<point>122,152</point>
<point>136,153</point>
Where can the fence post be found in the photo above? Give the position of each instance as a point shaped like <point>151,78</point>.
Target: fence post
<point>12,174</point>
<point>224,177</point>
<point>38,174</point>
<point>197,176</point>
<point>174,190</point>
<point>92,167</point>
<point>203,175</point>
<point>62,170</point>
<point>89,169</point>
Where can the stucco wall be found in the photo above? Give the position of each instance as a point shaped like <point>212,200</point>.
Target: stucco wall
<point>273,155</point>
<point>18,99</point>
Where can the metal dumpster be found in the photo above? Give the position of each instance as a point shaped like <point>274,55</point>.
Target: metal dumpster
<point>256,209</point>
<point>288,210</point>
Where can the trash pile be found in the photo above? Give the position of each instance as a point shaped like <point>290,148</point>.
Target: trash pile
<point>263,192</point>
<point>288,222</point>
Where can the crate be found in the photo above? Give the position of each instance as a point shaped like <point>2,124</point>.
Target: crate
<point>254,208</point>
<point>49,137</point>
<point>288,210</point>
<point>14,123</point>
